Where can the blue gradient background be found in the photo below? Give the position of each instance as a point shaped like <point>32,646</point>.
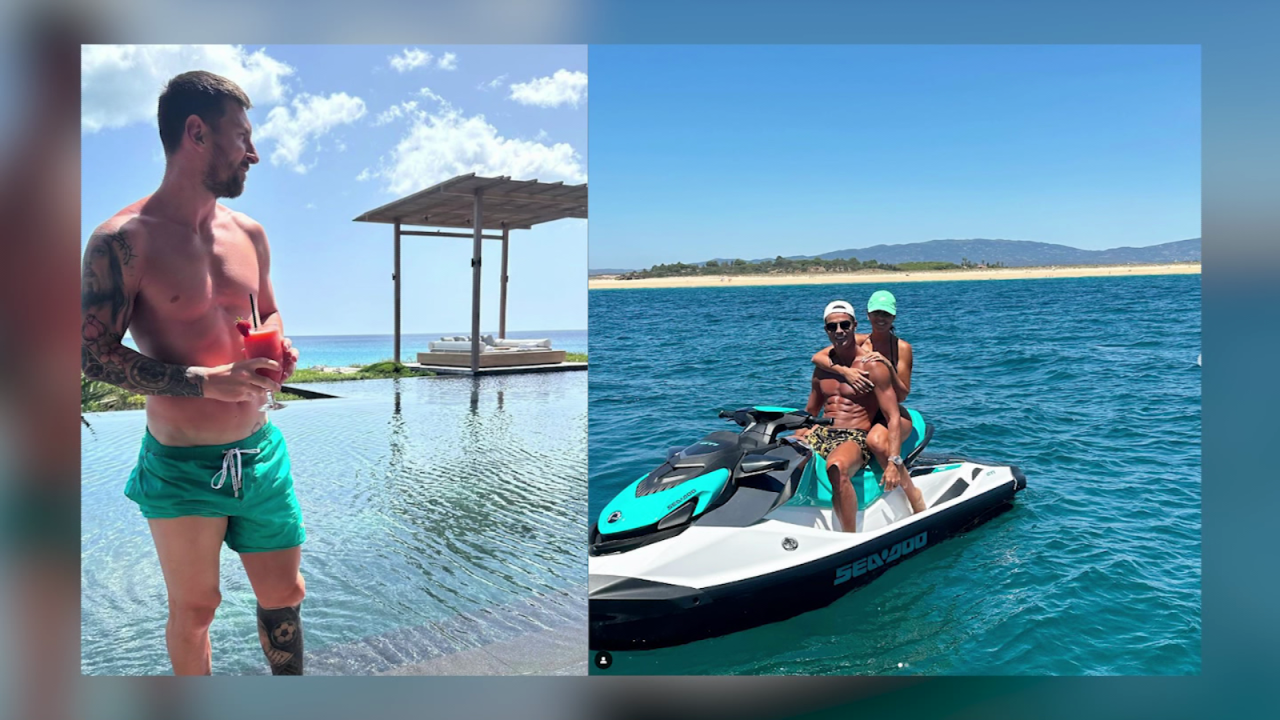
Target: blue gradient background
<point>1240,287</point>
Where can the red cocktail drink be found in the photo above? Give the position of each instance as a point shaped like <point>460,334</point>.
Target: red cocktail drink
<point>265,342</point>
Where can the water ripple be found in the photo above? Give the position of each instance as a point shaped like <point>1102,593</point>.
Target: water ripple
<point>1090,385</point>
<point>426,500</point>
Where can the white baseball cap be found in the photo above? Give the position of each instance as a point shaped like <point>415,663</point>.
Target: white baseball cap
<point>837,306</point>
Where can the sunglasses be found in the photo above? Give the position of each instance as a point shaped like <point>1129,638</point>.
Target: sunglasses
<point>841,325</point>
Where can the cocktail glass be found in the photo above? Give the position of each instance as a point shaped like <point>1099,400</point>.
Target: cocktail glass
<point>266,342</point>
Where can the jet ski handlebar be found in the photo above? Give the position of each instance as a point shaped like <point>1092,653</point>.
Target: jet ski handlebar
<point>778,419</point>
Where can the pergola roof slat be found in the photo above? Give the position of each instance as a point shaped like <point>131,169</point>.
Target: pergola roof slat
<point>517,204</point>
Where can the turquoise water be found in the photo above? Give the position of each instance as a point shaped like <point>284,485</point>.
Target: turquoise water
<point>349,350</point>
<point>343,350</point>
<point>442,514</point>
<point>1090,385</point>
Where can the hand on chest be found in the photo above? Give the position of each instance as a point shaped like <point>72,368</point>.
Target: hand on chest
<point>835,386</point>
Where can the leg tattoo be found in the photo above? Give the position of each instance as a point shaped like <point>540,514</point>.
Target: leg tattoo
<point>280,632</point>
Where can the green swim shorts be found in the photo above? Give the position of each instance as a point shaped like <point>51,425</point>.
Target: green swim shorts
<point>248,482</point>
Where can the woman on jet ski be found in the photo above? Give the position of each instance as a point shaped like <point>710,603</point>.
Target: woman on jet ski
<point>886,347</point>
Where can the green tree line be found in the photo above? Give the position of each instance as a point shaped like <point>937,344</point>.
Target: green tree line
<point>781,265</point>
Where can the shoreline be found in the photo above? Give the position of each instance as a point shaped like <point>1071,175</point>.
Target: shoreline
<point>611,282</point>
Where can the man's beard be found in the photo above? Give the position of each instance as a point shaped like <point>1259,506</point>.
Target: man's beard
<point>223,187</point>
<point>111,297</point>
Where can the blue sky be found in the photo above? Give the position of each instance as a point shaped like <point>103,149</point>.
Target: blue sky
<point>344,129</point>
<point>737,151</point>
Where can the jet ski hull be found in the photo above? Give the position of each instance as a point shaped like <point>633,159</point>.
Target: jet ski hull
<point>649,609</point>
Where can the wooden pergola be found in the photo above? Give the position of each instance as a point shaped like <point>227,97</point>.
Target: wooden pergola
<point>478,204</point>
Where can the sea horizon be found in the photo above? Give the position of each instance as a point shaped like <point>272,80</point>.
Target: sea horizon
<point>335,350</point>
<point>357,350</point>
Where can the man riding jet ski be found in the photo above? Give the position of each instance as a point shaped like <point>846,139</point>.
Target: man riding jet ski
<point>738,530</point>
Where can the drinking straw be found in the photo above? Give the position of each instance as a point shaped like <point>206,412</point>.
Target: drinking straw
<point>253,310</point>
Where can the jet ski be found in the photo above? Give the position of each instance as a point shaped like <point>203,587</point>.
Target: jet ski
<point>737,530</point>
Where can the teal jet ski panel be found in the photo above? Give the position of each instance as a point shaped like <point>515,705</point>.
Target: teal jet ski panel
<point>631,509</point>
<point>704,478</point>
<point>815,486</point>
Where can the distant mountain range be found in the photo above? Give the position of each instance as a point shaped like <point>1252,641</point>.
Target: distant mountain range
<point>1013,253</point>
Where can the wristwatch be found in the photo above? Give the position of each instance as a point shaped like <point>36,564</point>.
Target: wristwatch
<point>896,460</point>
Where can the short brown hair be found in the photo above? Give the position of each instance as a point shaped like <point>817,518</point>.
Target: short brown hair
<point>194,93</point>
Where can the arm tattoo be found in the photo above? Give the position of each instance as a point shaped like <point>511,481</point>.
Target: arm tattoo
<point>280,632</point>
<point>106,307</point>
<point>103,284</point>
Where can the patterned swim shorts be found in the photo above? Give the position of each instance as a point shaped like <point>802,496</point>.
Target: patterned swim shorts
<point>825,439</point>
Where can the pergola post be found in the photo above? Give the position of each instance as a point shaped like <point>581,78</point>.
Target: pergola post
<point>502,311</point>
<point>507,204</point>
<point>477,227</point>
<point>395,276</point>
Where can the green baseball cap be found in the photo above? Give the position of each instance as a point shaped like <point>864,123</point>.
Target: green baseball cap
<point>883,301</point>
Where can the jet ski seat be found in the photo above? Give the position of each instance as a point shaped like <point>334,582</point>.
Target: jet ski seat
<point>814,489</point>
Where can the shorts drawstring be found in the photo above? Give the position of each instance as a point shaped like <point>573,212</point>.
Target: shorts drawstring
<point>235,471</point>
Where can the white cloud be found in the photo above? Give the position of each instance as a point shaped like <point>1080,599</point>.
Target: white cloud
<point>493,84</point>
<point>365,174</point>
<point>426,93</point>
<point>311,206</point>
<point>119,84</point>
<point>311,118</point>
<point>395,112</point>
<point>562,88</point>
<point>440,145</point>
<point>449,61</point>
<point>409,59</point>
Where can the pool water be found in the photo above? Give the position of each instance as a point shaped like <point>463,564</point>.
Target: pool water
<point>442,514</point>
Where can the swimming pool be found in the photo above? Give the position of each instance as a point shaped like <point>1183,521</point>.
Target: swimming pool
<point>443,515</point>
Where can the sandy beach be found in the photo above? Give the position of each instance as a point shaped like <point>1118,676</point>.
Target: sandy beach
<point>611,282</point>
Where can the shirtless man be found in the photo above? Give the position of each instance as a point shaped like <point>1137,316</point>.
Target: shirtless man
<point>176,269</point>
<point>844,443</point>
<point>882,345</point>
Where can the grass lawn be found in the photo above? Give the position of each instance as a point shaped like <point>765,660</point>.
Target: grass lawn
<point>101,397</point>
<point>378,370</point>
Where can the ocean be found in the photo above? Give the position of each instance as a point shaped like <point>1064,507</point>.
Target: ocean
<point>1090,385</point>
<point>353,350</point>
